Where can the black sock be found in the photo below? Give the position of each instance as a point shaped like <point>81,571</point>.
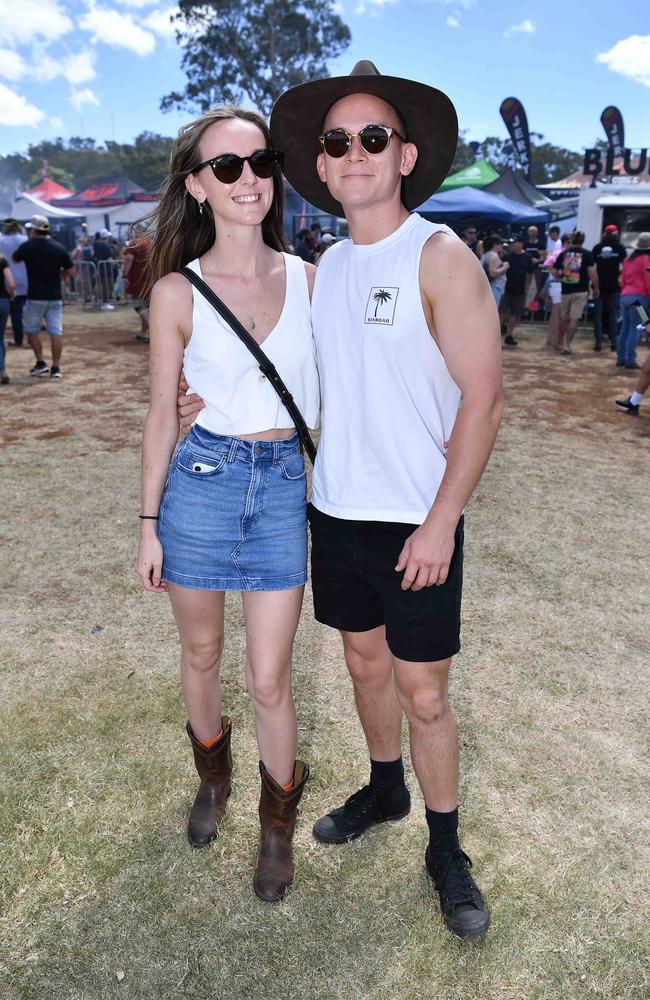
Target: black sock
<point>386,774</point>
<point>443,830</point>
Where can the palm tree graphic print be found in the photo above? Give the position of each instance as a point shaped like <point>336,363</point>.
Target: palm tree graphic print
<point>381,303</point>
<point>380,297</point>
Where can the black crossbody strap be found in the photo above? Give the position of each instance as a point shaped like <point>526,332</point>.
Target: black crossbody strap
<point>266,365</point>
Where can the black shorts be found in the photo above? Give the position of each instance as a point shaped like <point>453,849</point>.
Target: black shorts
<point>357,589</point>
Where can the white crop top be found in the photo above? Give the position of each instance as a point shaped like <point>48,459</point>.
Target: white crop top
<point>238,398</point>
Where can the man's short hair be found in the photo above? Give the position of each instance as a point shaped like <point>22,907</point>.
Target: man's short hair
<point>315,225</point>
<point>577,238</point>
<point>554,229</point>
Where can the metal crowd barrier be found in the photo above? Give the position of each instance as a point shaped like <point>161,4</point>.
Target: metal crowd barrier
<point>94,285</point>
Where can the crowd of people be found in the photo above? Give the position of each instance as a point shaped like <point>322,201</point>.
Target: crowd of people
<point>34,269</point>
<point>527,274</point>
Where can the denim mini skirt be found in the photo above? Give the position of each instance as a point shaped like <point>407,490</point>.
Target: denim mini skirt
<point>233,515</point>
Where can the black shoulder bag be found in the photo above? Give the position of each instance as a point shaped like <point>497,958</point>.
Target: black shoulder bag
<point>266,366</point>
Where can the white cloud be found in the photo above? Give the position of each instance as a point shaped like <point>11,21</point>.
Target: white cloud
<point>523,28</point>
<point>80,68</point>
<point>630,57</point>
<point>15,110</point>
<point>44,68</point>
<point>160,22</point>
<point>56,123</point>
<point>374,6</point>
<point>137,3</point>
<point>33,19</point>
<point>85,96</point>
<point>452,22</point>
<point>12,66</point>
<point>115,28</point>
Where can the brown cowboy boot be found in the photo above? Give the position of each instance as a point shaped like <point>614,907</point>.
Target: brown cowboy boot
<point>214,767</point>
<point>274,871</point>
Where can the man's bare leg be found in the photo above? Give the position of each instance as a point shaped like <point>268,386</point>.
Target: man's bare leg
<point>422,689</point>
<point>370,665</point>
<point>386,796</point>
<point>36,345</point>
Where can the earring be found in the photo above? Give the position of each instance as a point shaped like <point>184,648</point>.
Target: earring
<point>200,208</point>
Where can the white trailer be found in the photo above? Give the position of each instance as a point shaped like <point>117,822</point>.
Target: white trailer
<point>624,205</point>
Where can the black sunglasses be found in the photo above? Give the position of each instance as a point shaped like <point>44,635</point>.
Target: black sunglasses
<point>373,138</point>
<point>228,167</point>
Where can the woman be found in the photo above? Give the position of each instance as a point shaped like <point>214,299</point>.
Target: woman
<point>553,289</point>
<point>7,295</point>
<point>635,288</point>
<point>495,268</point>
<point>229,512</point>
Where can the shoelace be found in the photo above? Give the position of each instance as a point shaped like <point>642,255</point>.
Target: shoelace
<point>362,801</point>
<point>456,879</point>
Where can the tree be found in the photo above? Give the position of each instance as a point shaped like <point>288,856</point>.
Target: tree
<point>254,51</point>
<point>549,163</point>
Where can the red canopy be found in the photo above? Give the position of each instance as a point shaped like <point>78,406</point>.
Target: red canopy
<point>49,190</point>
<point>105,193</point>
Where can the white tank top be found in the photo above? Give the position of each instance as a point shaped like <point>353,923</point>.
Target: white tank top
<point>238,398</point>
<point>389,402</point>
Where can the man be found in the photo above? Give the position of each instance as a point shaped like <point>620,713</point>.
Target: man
<point>136,254</point>
<point>104,252</point>
<point>553,243</point>
<point>608,256</point>
<point>405,326</point>
<point>470,238</point>
<point>12,237</point>
<point>47,263</point>
<point>315,235</point>
<point>574,267</point>
<point>513,300</point>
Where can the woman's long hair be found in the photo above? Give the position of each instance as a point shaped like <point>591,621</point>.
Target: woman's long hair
<point>180,233</point>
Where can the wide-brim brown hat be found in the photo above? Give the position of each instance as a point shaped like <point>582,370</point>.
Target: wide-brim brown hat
<point>428,115</point>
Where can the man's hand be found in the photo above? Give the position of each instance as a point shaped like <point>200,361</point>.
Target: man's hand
<point>426,556</point>
<point>188,406</point>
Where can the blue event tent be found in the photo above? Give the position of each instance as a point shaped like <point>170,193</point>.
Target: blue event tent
<point>468,203</point>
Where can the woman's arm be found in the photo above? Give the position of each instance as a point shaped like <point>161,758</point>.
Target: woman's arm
<point>170,327</point>
<point>496,266</point>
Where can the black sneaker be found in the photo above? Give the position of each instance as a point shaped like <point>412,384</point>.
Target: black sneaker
<point>462,906</point>
<point>633,366</point>
<point>627,406</point>
<point>55,371</point>
<point>40,368</point>
<point>362,810</point>
<point>510,341</point>
<point>597,347</point>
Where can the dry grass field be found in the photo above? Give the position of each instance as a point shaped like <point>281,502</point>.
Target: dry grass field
<point>102,898</point>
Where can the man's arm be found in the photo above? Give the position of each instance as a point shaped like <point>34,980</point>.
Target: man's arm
<point>464,322</point>
<point>592,271</point>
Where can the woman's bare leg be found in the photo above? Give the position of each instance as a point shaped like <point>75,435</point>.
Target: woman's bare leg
<point>199,617</point>
<point>271,621</point>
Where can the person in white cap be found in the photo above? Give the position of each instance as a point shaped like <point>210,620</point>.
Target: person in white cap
<point>47,263</point>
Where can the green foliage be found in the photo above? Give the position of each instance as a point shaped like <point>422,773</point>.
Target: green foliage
<point>549,162</point>
<point>253,52</point>
<point>78,162</point>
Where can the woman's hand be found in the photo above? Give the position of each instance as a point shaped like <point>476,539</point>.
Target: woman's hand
<point>149,563</point>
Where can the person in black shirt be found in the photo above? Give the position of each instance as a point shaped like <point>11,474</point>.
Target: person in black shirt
<point>7,295</point>
<point>513,300</point>
<point>574,267</point>
<point>46,261</point>
<point>608,256</point>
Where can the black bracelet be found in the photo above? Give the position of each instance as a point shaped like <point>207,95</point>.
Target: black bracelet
<point>148,517</point>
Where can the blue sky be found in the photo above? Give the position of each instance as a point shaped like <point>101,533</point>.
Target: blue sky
<point>99,67</point>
